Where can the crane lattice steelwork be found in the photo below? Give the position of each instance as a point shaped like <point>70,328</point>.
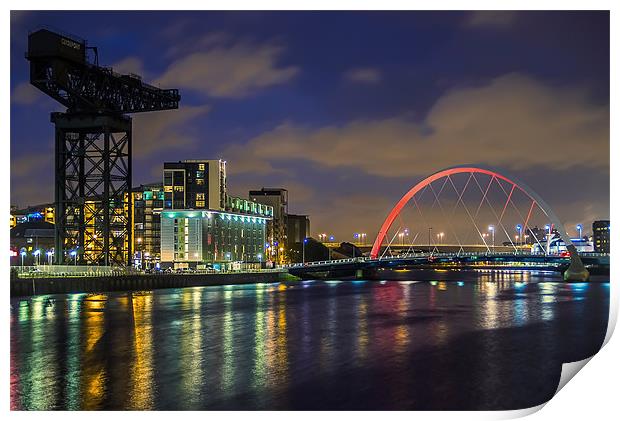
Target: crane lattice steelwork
<point>93,146</point>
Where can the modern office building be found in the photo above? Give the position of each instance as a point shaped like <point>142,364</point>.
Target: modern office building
<point>192,238</point>
<point>276,228</point>
<point>195,184</point>
<point>148,202</point>
<point>600,236</point>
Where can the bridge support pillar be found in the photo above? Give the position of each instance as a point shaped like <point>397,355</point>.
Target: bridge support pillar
<point>576,271</point>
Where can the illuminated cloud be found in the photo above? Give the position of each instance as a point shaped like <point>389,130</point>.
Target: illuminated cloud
<point>513,122</point>
<point>157,132</point>
<point>363,75</point>
<point>130,65</point>
<point>26,94</point>
<point>228,70</point>
<point>491,18</point>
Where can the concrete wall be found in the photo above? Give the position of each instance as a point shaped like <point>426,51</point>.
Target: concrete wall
<point>24,287</point>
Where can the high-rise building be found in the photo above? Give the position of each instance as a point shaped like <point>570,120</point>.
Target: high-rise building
<point>148,202</point>
<point>600,236</point>
<point>195,184</point>
<point>192,238</point>
<point>276,228</point>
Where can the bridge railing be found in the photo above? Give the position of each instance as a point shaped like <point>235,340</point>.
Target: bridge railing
<point>436,255</point>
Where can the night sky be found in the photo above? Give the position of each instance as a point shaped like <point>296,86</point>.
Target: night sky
<point>347,110</point>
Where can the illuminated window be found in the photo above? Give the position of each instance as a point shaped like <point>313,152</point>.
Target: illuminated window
<point>178,188</point>
<point>201,167</point>
<point>200,196</point>
<point>168,189</point>
<point>200,203</point>
<point>200,181</point>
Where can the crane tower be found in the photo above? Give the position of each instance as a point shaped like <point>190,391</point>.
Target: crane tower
<point>93,144</point>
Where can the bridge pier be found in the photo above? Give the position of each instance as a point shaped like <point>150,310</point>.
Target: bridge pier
<point>576,271</point>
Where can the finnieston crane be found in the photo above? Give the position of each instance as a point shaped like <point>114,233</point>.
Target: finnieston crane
<point>93,146</point>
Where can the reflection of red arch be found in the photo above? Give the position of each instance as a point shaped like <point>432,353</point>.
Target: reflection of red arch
<point>536,199</point>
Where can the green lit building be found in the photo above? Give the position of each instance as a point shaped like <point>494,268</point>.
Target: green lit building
<point>192,238</point>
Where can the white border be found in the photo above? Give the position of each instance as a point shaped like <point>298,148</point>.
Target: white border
<point>593,392</point>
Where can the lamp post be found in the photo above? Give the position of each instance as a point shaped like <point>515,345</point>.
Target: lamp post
<point>519,230</point>
<point>303,251</point>
<point>429,239</point>
<point>49,257</point>
<point>492,229</point>
<point>23,253</point>
<point>440,238</point>
<point>548,228</point>
<point>74,254</point>
<point>36,253</point>
<point>579,228</point>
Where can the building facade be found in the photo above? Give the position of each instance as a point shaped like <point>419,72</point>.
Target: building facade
<point>148,203</point>
<point>600,236</point>
<point>44,212</point>
<point>194,238</point>
<point>298,228</point>
<point>276,228</point>
<point>195,184</point>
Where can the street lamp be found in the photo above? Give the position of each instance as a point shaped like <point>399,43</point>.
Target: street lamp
<point>363,235</point>
<point>23,253</point>
<point>440,237</point>
<point>303,251</point>
<point>429,239</point>
<point>548,227</point>
<point>36,253</point>
<point>74,254</point>
<point>580,228</point>
<point>519,228</point>
<point>49,257</point>
<point>492,229</point>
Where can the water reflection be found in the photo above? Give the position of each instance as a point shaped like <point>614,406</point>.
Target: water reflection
<point>141,378</point>
<point>306,345</point>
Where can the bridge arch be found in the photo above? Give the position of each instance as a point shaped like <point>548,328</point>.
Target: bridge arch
<point>475,169</point>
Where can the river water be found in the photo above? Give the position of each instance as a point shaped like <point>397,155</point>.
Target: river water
<point>465,340</point>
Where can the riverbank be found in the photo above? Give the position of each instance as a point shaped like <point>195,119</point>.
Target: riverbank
<point>68,285</point>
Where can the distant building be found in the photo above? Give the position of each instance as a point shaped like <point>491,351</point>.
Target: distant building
<point>43,212</point>
<point>31,236</point>
<point>276,228</point>
<point>600,236</point>
<point>192,238</point>
<point>195,184</point>
<point>148,202</point>
<point>557,245</point>
<point>297,229</point>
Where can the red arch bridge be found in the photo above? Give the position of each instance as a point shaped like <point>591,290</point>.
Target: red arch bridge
<point>502,219</point>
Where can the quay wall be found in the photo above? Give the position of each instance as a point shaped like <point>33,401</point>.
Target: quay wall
<point>60,285</point>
